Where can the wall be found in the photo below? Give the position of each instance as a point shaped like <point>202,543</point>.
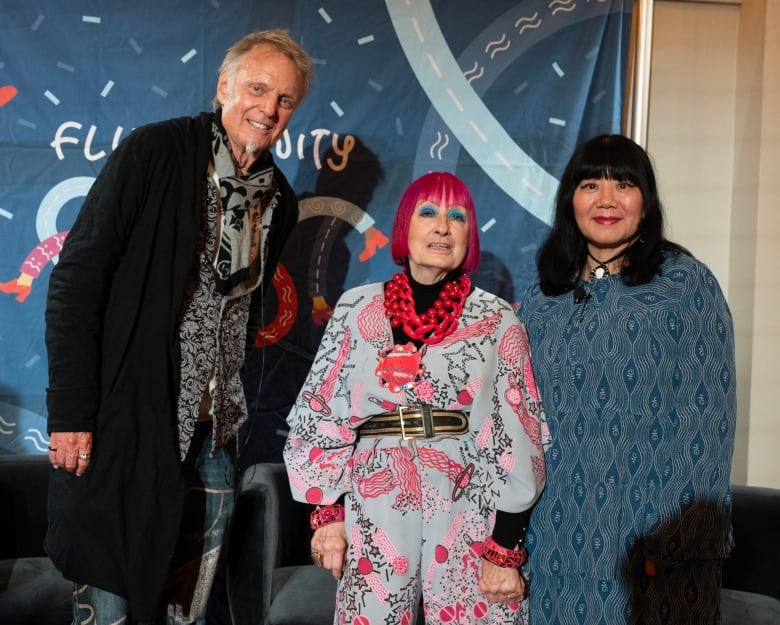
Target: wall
<point>713,135</point>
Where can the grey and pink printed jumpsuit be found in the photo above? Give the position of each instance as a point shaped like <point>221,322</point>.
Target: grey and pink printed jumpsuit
<point>418,510</point>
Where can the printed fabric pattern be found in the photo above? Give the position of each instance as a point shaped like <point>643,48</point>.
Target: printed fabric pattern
<point>639,388</point>
<point>417,511</point>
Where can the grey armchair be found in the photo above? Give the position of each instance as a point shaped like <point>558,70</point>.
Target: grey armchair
<point>271,580</point>
<point>751,577</point>
<point>32,591</point>
<point>270,577</point>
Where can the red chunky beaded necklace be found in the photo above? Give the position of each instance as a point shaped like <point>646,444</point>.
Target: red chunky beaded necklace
<point>438,322</point>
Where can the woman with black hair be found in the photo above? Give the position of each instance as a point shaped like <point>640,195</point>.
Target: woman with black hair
<point>633,353</point>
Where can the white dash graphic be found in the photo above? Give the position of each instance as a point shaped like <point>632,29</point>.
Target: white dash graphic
<point>557,69</point>
<point>107,88</point>
<point>337,108</point>
<point>365,40</point>
<point>90,19</point>
<point>488,225</point>
<point>528,185</point>
<point>189,55</point>
<point>435,67</point>
<point>503,160</point>
<point>51,97</point>
<point>324,15</point>
<point>455,100</point>
<point>480,134</point>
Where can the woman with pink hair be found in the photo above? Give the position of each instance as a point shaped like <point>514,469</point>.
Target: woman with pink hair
<point>418,434</point>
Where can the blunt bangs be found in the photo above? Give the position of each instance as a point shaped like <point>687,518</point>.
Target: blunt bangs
<point>614,157</point>
<point>440,188</point>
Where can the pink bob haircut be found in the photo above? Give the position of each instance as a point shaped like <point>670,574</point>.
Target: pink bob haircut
<point>438,187</point>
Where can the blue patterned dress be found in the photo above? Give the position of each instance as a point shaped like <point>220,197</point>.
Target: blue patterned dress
<point>638,384</point>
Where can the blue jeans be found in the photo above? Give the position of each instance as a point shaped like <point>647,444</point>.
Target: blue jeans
<point>208,503</point>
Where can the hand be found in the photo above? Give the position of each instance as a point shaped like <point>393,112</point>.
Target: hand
<point>502,585</point>
<point>71,450</point>
<point>330,541</point>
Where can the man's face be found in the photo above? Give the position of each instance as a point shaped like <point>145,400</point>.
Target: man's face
<point>258,98</point>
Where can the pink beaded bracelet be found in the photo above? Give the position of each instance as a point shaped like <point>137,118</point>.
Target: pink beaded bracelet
<point>324,515</point>
<point>501,556</point>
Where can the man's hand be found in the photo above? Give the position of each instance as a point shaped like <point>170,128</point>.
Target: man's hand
<point>71,451</point>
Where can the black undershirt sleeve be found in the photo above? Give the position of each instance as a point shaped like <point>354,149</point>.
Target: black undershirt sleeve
<point>510,528</point>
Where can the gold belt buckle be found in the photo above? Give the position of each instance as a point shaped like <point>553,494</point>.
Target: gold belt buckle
<point>401,410</point>
<point>426,420</point>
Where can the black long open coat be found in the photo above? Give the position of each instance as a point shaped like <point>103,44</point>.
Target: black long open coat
<point>112,335</point>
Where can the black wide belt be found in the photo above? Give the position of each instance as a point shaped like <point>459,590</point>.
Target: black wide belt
<point>416,422</point>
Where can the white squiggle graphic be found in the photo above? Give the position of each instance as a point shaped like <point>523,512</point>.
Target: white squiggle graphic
<point>564,9</point>
<point>472,70</point>
<point>479,75</point>
<point>497,46</point>
<point>36,443</point>
<point>10,424</point>
<point>40,437</point>
<point>534,19</point>
<point>443,145</point>
<point>568,6</point>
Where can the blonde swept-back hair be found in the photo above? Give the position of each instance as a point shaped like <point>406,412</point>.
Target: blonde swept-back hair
<point>280,40</point>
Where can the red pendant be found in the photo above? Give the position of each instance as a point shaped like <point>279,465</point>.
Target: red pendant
<point>400,367</point>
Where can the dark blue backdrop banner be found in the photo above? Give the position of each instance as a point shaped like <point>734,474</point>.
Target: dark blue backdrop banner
<point>497,92</point>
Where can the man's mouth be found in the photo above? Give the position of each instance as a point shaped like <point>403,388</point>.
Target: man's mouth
<point>258,125</point>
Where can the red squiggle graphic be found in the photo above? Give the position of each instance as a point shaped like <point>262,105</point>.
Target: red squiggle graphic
<point>285,315</point>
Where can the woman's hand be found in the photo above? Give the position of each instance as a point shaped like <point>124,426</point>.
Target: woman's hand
<point>502,585</point>
<point>330,543</point>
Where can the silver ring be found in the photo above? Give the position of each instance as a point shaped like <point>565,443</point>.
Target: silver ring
<point>85,456</point>
<point>52,448</point>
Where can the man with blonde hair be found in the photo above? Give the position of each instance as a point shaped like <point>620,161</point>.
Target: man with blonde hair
<point>150,309</point>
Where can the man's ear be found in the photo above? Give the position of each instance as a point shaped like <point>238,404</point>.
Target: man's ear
<point>222,89</point>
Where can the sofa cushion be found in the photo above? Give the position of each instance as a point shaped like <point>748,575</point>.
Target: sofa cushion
<point>302,595</point>
<point>746,608</point>
<point>33,591</point>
